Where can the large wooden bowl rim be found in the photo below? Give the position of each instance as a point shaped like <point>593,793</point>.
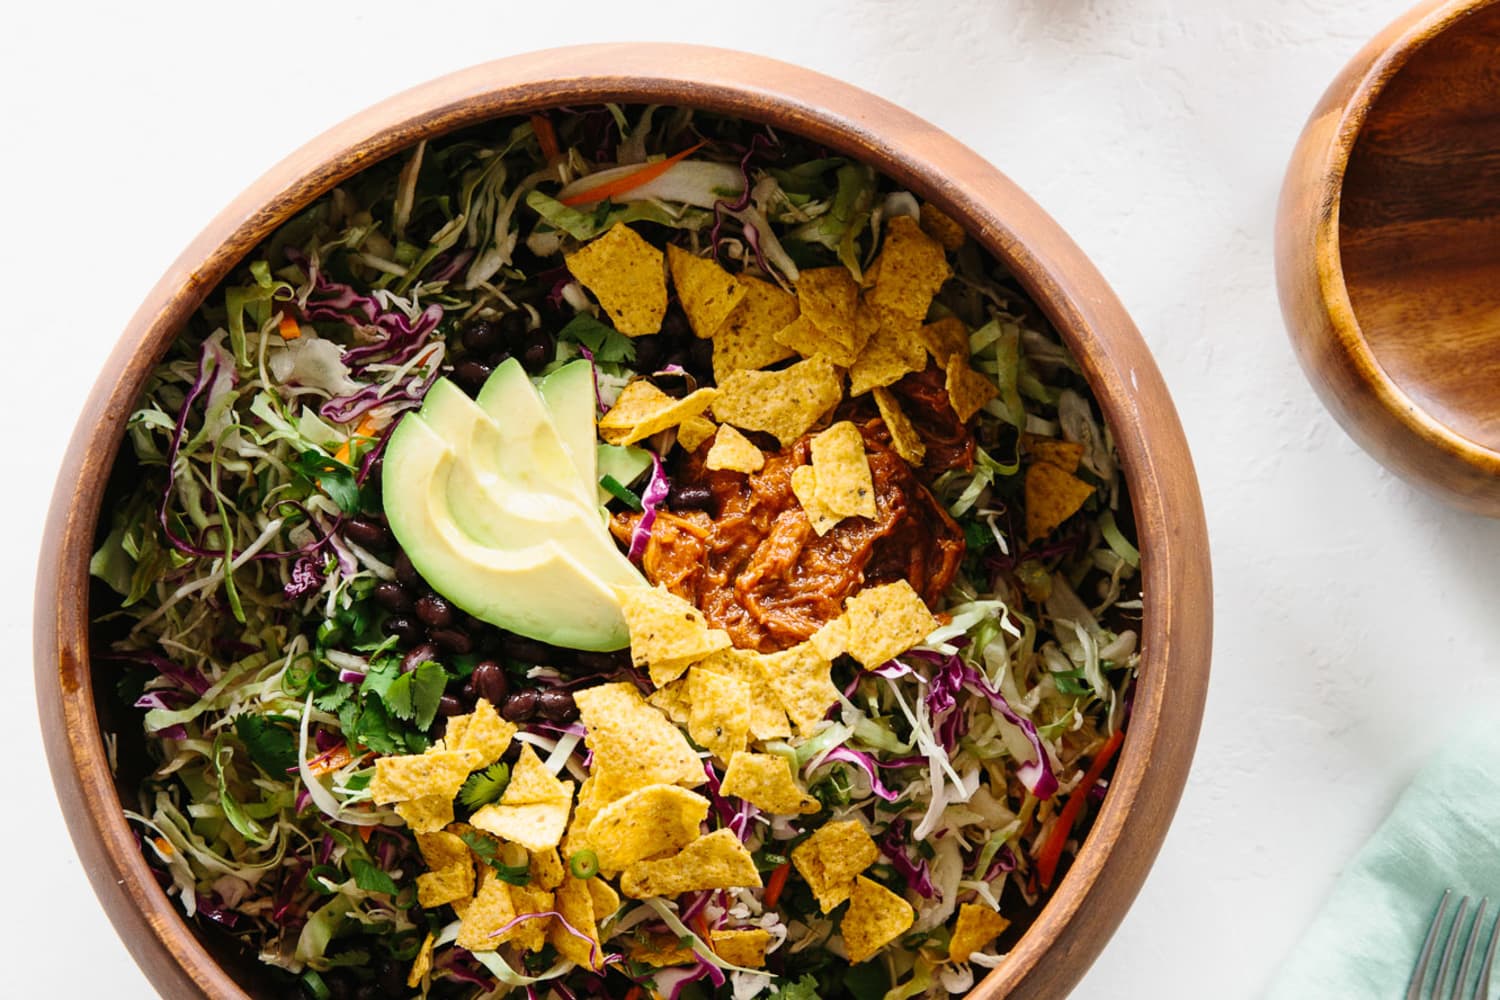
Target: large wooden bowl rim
<point>1168,701</point>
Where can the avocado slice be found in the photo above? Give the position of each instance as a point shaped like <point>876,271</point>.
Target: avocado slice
<point>623,463</point>
<point>531,439</point>
<point>569,396</point>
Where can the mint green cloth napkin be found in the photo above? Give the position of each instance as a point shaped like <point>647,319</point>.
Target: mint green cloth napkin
<point>1443,834</point>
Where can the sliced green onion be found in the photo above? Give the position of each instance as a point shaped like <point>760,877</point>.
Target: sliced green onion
<point>584,864</point>
<point>612,486</point>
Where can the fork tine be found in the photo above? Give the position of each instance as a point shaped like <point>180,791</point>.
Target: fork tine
<point>1453,932</point>
<point>1483,990</point>
<point>1419,974</point>
<point>1473,939</point>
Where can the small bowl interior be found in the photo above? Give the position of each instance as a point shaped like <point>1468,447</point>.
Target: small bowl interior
<point>1419,227</point>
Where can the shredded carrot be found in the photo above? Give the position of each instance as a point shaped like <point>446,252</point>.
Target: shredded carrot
<point>635,993</point>
<point>546,137</point>
<point>700,924</point>
<point>776,883</point>
<point>164,846</point>
<point>289,328</point>
<point>364,832</point>
<point>330,761</point>
<point>1051,852</point>
<point>620,185</point>
<point>365,430</point>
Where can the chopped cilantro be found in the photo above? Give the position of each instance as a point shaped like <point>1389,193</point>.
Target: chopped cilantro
<point>484,787</point>
<point>334,478</point>
<point>271,746</point>
<point>607,346</point>
<point>805,988</point>
<point>370,878</point>
<point>487,850</point>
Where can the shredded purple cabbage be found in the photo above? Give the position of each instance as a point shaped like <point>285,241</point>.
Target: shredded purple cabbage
<point>915,872</point>
<point>305,578</point>
<point>653,497</point>
<point>954,675</point>
<point>543,914</point>
<point>865,763</point>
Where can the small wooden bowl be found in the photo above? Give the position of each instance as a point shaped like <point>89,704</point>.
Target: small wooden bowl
<point>1388,249</point>
<point>1168,701</point>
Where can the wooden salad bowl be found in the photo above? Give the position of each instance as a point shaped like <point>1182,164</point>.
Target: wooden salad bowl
<point>1168,701</point>
<point>1388,249</point>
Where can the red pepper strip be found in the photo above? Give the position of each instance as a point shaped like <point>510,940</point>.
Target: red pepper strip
<point>546,137</point>
<point>635,993</point>
<point>620,185</point>
<point>1051,852</point>
<point>776,883</point>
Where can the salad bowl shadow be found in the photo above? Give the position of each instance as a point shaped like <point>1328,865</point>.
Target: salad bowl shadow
<point>1054,950</point>
<point>1386,250</point>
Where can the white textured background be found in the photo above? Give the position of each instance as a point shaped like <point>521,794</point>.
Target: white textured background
<point>1354,616</point>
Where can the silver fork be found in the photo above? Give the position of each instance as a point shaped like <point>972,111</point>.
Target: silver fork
<point>1448,934</point>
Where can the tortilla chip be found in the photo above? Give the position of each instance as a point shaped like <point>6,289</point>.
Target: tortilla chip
<point>484,734</point>
<point>717,861</point>
<point>733,451</point>
<point>807,339</point>
<point>886,621</point>
<point>708,293</point>
<point>832,640</point>
<point>945,338</point>
<point>535,826</point>
<point>718,712</point>
<point>672,700</point>
<point>784,404</point>
<point>547,869</point>
<point>766,781</point>
<point>805,489</point>
<point>744,947</point>
<point>694,431</point>
<point>747,339</point>
<point>415,776</point>
<point>606,900</point>
<point>905,441</point>
<point>894,351</point>
<point>529,935</point>
<point>828,298</point>
<point>442,849</point>
<point>1052,496</point>
<point>577,908</point>
<point>443,886</point>
<point>800,678</point>
<point>910,269</point>
<point>660,951</point>
<point>422,964</point>
<point>968,390</point>
<point>667,634</point>
<point>829,860</point>
<point>941,227</point>
<point>428,814</point>
<point>490,910</point>
<point>876,917</point>
<point>976,927</point>
<point>453,733</point>
<point>590,801</point>
<point>634,745</point>
<point>843,472</point>
<point>767,720</point>
<point>625,274</point>
<point>1064,454</point>
<point>643,410</point>
<point>532,784</point>
<point>650,821</point>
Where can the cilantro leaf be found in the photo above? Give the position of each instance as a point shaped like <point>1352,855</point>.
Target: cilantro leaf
<point>607,345</point>
<point>427,684</point>
<point>370,878</point>
<point>487,850</point>
<point>332,477</point>
<point>334,698</point>
<point>271,746</point>
<point>805,988</point>
<point>397,698</point>
<point>484,787</point>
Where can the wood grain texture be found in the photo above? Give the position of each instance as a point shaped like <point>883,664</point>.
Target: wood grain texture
<point>1176,631</point>
<point>1388,249</point>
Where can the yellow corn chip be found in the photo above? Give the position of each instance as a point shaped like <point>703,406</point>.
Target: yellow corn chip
<point>536,826</point>
<point>490,910</point>
<point>422,964</point>
<point>1052,496</point>
<point>708,293</point>
<point>905,440</point>
<point>642,410</point>
<point>529,935</point>
<point>546,869</point>
<point>976,927</point>
<point>800,678</point>
<point>828,299</point>
<point>968,390</point>
<point>782,403</point>
<point>829,860</point>
<point>941,227</point>
<point>650,821</point>
<point>589,802</point>
<point>842,472</point>
<point>886,621</point>
<point>417,775</point>
<point>945,338</point>
<point>805,489</point>
<point>747,339</point>
<point>428,814</point>
<point>442,849</point>
<point>745,947</point>
<point>876,917</point>
<point>811,341</point>
<point>717,861</point>
<point>437,888</point>
<point>910,269</point>
<point>577,908</point>
<point>1064,454</point>
<point>767,720</point>
<point>733,451</point>
<point>672,700</point>
<point>625,274</point>
<point>666,632</point>
<point>660,951</point>
<point>832,640</point>
<point>634,745</point>
<point>606,900</point>
<point>532,784</point>
<point>895,350</point>
<point>486,735</point>
<point>694,431</point>
<point>765,780</point>
<point>719,712</point>
<point>453,733</point>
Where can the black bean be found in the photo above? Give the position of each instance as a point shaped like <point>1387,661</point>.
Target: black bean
<point>417,656</point>
<point>364,531</point>
<point>467,692</point>
<point>393,980</point>
<point>434,611</point>
<point>675,326</point>
<point>701,358</point>
<point>483,336</point>
<point>537,350</point>
<point>449,705</point>
<point>556,706</point>
<point>406,572</point>
<point>528,651</point>
<point>690,496</point>
<point>490,682</point>
<point>647,352</point>
<point>513,329</point>
<point>391,596</point>
<point>451,640</point>
<point>519,707</point>
<point>408,630</point>
<point>471,375</point>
